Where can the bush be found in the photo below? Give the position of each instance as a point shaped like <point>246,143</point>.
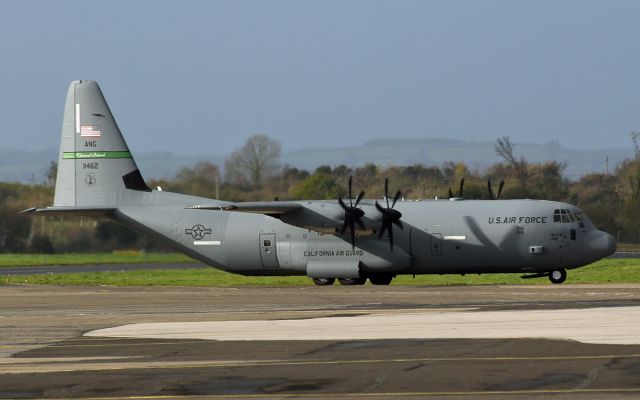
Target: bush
<point>41,244</point>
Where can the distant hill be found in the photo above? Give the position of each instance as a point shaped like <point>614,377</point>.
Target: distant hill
<point>27,166</point>
<point>30,166</point>
<point>436,151</point>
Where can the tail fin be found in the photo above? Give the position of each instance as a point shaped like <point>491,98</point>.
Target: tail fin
<point>95,166</point>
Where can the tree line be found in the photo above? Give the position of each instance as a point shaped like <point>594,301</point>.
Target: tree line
<point>253,172</point>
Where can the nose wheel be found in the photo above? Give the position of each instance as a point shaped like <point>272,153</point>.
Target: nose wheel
<point>558,276</point>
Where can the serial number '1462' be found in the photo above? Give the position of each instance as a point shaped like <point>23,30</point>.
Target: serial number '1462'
<point>90,165</point>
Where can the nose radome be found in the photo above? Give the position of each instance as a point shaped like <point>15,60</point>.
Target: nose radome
<point>603,244</point>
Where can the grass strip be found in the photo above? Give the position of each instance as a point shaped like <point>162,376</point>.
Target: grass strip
<point>603,271</point>
<point>118,257</point>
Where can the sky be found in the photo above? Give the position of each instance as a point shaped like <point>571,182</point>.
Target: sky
<point>200,77</point>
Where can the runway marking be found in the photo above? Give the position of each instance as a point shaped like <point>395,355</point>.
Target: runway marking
<point>375,394</point>
<point>56,366</point>
<point>58,346</point>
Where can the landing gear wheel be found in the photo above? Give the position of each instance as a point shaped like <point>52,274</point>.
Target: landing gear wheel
<point>352,281</point>
<point>324,281</point>
<point>558,276</point>
<point>381,279</point>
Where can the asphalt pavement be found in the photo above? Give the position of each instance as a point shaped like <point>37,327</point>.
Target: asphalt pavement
<point>44,352</point>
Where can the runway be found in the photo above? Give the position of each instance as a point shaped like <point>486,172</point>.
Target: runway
<point>44,352</point>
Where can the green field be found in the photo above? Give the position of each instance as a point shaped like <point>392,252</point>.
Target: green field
<point>117,257</point>
<point>604,271</point>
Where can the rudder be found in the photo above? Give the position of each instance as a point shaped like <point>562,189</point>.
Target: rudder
<point>95,166</point>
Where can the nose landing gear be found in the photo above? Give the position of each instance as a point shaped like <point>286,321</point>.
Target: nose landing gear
<point>556,276</point>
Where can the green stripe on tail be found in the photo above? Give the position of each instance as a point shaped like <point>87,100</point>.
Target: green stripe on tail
<point>83,155</point>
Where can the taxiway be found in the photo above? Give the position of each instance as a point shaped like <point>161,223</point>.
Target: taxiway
<point>320,342</point>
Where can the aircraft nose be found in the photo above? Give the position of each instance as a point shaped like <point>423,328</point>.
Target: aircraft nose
<point>602,244</point>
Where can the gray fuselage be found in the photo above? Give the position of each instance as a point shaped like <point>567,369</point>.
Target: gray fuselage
<point>439,236</point>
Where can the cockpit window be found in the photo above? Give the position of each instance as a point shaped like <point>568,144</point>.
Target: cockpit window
<point>566,216</point>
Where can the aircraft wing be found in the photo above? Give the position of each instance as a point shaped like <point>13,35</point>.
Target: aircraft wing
<point>81,211</point>
<point>257,207</point>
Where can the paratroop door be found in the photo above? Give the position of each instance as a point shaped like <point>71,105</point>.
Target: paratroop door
<point>268,250</point>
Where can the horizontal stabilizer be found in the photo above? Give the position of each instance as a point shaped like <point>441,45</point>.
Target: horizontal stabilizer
<point>80,211</point>
<point>258,207</point>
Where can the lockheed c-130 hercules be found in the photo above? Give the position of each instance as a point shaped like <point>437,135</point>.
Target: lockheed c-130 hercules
<point>351,240</point>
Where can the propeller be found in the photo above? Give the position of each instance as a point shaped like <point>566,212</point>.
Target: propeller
<point>500,187</point>
<point>390,216</point>
<point>352,215</point>
<point>459,190</point>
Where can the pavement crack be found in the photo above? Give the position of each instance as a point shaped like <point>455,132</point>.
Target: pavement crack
<point>591,376</point>
<point>377,383</point>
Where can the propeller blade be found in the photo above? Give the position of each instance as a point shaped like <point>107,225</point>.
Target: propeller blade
<point>399,224</point>
<point>490,189</point>
<point>360,196</point>
<point>344,226</point>
<point>450,193</point>
<point>379,208</point>
<point>500,189</point>
<point>350,179</point>
<point>384,228</point>
<point>386,191</point>
<point>344,206</point>
<point>395,198</point>
<point>391,237</point>
<point>353,234</point>
<point>461,187</point>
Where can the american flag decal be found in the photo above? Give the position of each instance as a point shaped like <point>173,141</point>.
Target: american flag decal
<point>89,131</point>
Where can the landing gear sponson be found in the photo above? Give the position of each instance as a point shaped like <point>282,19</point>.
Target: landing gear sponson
<point>556,276</point>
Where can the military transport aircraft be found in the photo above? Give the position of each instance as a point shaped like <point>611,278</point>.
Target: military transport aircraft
<point>351,240</point>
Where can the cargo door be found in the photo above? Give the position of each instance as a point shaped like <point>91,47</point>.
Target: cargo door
<point>268,250</point>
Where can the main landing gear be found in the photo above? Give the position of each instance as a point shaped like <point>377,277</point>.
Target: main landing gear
<point>324,281</point>
<point>558,276</point>
<point>352,281</point>
<point>375,279</point>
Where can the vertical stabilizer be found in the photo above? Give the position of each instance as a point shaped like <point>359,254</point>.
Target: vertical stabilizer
<point>95,167</point>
